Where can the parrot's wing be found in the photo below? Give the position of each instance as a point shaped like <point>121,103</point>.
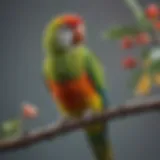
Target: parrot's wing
<point>46,73</point>
<point>99,141</point>
<point>96,74</point>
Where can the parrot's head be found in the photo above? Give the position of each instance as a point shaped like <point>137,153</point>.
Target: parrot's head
<point>64,31</point>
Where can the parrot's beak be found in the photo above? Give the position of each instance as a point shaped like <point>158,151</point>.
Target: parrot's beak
<point>79,34</point>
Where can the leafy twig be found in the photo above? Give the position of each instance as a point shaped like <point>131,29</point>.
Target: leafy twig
<point>53,131</point>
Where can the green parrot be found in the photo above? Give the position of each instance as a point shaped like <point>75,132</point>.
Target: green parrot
<point>75,79</point>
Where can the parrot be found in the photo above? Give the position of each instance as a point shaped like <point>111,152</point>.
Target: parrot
<point>74,77</point>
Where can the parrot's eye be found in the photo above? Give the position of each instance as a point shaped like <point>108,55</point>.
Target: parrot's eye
<point>64,37</point>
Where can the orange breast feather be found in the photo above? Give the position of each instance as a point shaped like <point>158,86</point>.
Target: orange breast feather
<point>72,94</point>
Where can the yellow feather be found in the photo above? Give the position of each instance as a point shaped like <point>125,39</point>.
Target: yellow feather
<point>144,85</point>
<point>95,104</point>
<point>156,79</point>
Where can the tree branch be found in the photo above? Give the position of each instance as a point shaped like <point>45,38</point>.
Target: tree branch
<point>55,130</point>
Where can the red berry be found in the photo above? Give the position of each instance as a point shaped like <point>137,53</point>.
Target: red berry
<point>129,63</point>
<point>152,11</point>
<point>30,111</point>
<point>143,38</point>
<point>157,25</point>
<point>127,43</point>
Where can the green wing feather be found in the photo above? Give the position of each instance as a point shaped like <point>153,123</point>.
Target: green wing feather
<point>98,140</point>
<point>96,74</point>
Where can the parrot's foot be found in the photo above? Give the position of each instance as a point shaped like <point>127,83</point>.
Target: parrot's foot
<point>89,113</point>
<point>63,120</point>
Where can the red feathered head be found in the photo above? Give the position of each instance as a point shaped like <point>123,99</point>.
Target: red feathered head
<point>75,24</point>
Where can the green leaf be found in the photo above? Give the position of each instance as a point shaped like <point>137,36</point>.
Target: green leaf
<point>136,8</point>
<point>155,58</point>
<point>134,78</point>
<point>145,25</point>
<point>145,53</point>
<point>138,12</point>
<point>155,67</point>
<point>119,32</point>
<point>10,128</point>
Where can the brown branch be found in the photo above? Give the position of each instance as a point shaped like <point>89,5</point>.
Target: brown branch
<point>53,131</point>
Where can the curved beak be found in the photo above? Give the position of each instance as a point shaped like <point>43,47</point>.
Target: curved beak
<point>79,33</point>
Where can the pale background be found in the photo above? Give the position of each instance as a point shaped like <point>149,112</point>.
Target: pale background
<point>22,23</point>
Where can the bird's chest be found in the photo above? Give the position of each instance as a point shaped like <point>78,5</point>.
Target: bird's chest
<point>67,68</point>
<point>73,93</point>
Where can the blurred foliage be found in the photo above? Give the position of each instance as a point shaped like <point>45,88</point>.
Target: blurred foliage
<point>153,57</point>
<point>145,53</point>
<point>139,14</point>
<point>142,25</point>
<point>118,32</point>
<point>136,75</point>
<point>150,62</point>
<point>10,128</point>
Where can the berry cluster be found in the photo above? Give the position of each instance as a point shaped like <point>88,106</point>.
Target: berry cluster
<point>152,13</point>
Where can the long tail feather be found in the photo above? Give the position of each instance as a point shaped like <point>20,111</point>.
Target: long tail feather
<point>99,143</point>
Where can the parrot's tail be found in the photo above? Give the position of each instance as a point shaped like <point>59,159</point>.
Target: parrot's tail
<point>99,143</point>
